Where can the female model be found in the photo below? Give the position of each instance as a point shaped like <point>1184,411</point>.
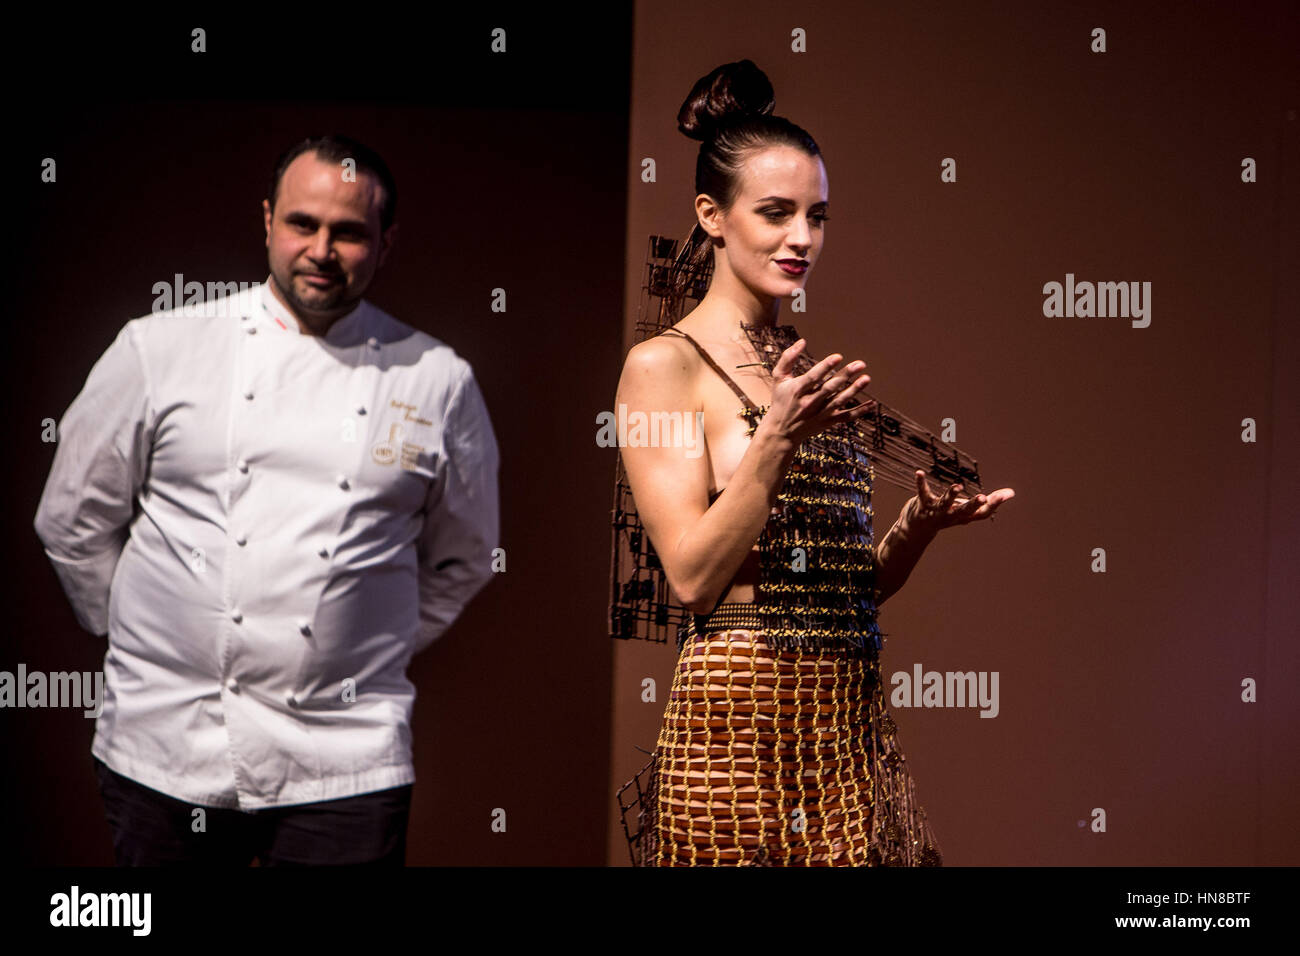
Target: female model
<point>776,746</point>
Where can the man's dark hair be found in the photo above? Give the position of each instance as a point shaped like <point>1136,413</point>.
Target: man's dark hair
<point>333,148</point>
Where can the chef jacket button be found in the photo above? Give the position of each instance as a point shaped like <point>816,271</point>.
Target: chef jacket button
<point>241,540</point>
<point>249,395</point>
<point>236,615</point>
<point>292,701</point>
<point>324,552</point>
<point>373,342</point>
<point>232,685</point>
<point>343,482</point>
<point>304,627</point>
<point>242,466</point>
<point>251,329</point>
<point>361,409</point>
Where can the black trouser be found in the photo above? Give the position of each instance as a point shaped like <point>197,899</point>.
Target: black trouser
<point>153,829</point>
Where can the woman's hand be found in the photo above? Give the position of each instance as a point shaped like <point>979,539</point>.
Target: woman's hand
<point>929,514</point>
<point>804,405</point>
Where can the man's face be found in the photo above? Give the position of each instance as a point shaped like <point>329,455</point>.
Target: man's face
<point>323,238</point>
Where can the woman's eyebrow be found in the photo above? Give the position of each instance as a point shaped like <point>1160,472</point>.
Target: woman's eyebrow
<point>790,202</point>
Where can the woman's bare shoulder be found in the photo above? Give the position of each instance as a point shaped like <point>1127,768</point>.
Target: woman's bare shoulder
<point>665,357</point>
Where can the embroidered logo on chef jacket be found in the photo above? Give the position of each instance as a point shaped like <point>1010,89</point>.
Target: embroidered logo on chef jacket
<point>394,448</point>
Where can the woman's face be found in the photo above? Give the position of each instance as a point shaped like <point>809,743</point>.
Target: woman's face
<point>773,232</point>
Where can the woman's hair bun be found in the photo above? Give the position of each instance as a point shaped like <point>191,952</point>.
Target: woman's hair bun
<point>732,91</point>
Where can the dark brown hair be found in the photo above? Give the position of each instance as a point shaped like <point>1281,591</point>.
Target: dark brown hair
<point>333,148</point>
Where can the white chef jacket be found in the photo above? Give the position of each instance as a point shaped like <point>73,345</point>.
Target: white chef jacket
<point>268,525</point>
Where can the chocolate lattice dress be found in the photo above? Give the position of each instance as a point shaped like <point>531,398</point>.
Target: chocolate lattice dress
<point>776,746</point>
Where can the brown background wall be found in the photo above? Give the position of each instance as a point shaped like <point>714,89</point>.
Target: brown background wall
<point>1118,690</point>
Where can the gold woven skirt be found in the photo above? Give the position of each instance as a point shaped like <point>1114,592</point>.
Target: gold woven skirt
<point>770,757</point>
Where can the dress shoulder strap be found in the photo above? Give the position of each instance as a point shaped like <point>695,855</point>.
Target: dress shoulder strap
<point>740,392</point>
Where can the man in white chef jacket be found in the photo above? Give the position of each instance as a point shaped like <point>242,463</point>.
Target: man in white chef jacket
<point>269,503</point>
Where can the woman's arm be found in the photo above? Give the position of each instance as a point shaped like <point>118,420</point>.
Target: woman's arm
<point>701,547</point>
<point>899,551</point>
<point>923,517</point>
